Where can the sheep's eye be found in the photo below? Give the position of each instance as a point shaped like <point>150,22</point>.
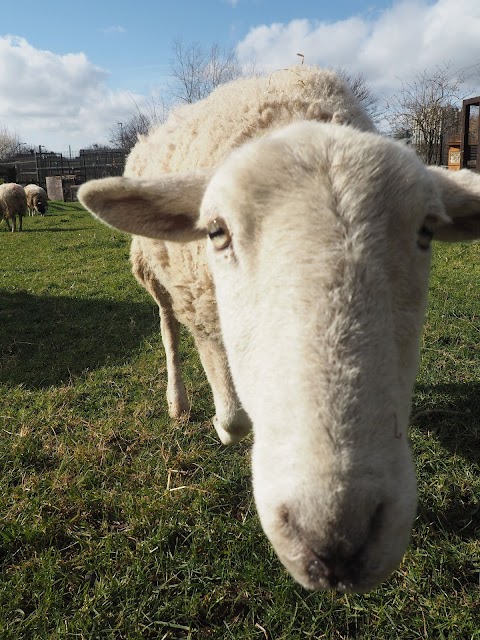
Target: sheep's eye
<point>425,236</point>
<point>219,234</point>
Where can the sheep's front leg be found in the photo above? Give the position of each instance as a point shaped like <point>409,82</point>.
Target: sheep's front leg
<point>177,398</point>
<point>230,421</point>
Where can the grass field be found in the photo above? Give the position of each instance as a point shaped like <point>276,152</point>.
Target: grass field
<point>117,523</point>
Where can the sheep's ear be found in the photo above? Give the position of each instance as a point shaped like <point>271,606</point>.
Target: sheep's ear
<point>460,191</point>
<point>166,208</point>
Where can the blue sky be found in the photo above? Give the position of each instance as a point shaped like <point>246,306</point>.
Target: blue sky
<point>70,72</point>
<point>132,39</point>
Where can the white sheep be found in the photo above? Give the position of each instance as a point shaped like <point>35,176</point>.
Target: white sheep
<point>37,199</point>
<point>314,276</point>
<point>13,204</point>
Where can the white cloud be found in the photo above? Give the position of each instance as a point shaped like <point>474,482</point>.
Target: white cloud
<point>410,36</point>
<point>114,29</point>
<point>57,100</point>
<point>277,45</point>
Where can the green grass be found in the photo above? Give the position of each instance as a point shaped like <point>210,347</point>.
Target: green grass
<point>117,523</point>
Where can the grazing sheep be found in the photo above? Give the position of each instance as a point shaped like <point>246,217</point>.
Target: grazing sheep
<point>314,276</point>
<point>13,203</point>
<point>37,200</point>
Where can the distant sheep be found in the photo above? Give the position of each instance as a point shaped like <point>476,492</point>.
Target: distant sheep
<point>13,204</point>
<point>37,200</point>
<point>294,242</point>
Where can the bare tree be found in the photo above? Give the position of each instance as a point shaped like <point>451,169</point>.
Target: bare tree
<point>426,109</point>
<point>9,143</point>
<point>124,135</point>
<point>364,94</point>
<point>196,71</point>
<point>98,147</point>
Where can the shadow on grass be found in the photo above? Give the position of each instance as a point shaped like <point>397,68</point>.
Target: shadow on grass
<point>452,413</point>
<point>55,229</point>
<point>47,340</point>
<point>460,516</point>
<point>58,205</point>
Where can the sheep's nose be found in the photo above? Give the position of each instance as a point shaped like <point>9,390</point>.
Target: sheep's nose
<point>335,572</point>
<point>336,559</point>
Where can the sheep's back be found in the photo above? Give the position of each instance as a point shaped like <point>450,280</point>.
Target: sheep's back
<point>202,134</point>
<point>33,191</point>
<point>13,200</point>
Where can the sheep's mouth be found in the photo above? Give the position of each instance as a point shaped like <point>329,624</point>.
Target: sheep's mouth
<point>340,566</point>
<point>318,572</point>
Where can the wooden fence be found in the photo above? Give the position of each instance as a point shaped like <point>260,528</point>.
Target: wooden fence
<point>36,167</point>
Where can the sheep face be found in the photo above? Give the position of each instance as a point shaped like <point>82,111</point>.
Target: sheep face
<point>39,205</point>
<point>321,266</point>
<point>320,251</point>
